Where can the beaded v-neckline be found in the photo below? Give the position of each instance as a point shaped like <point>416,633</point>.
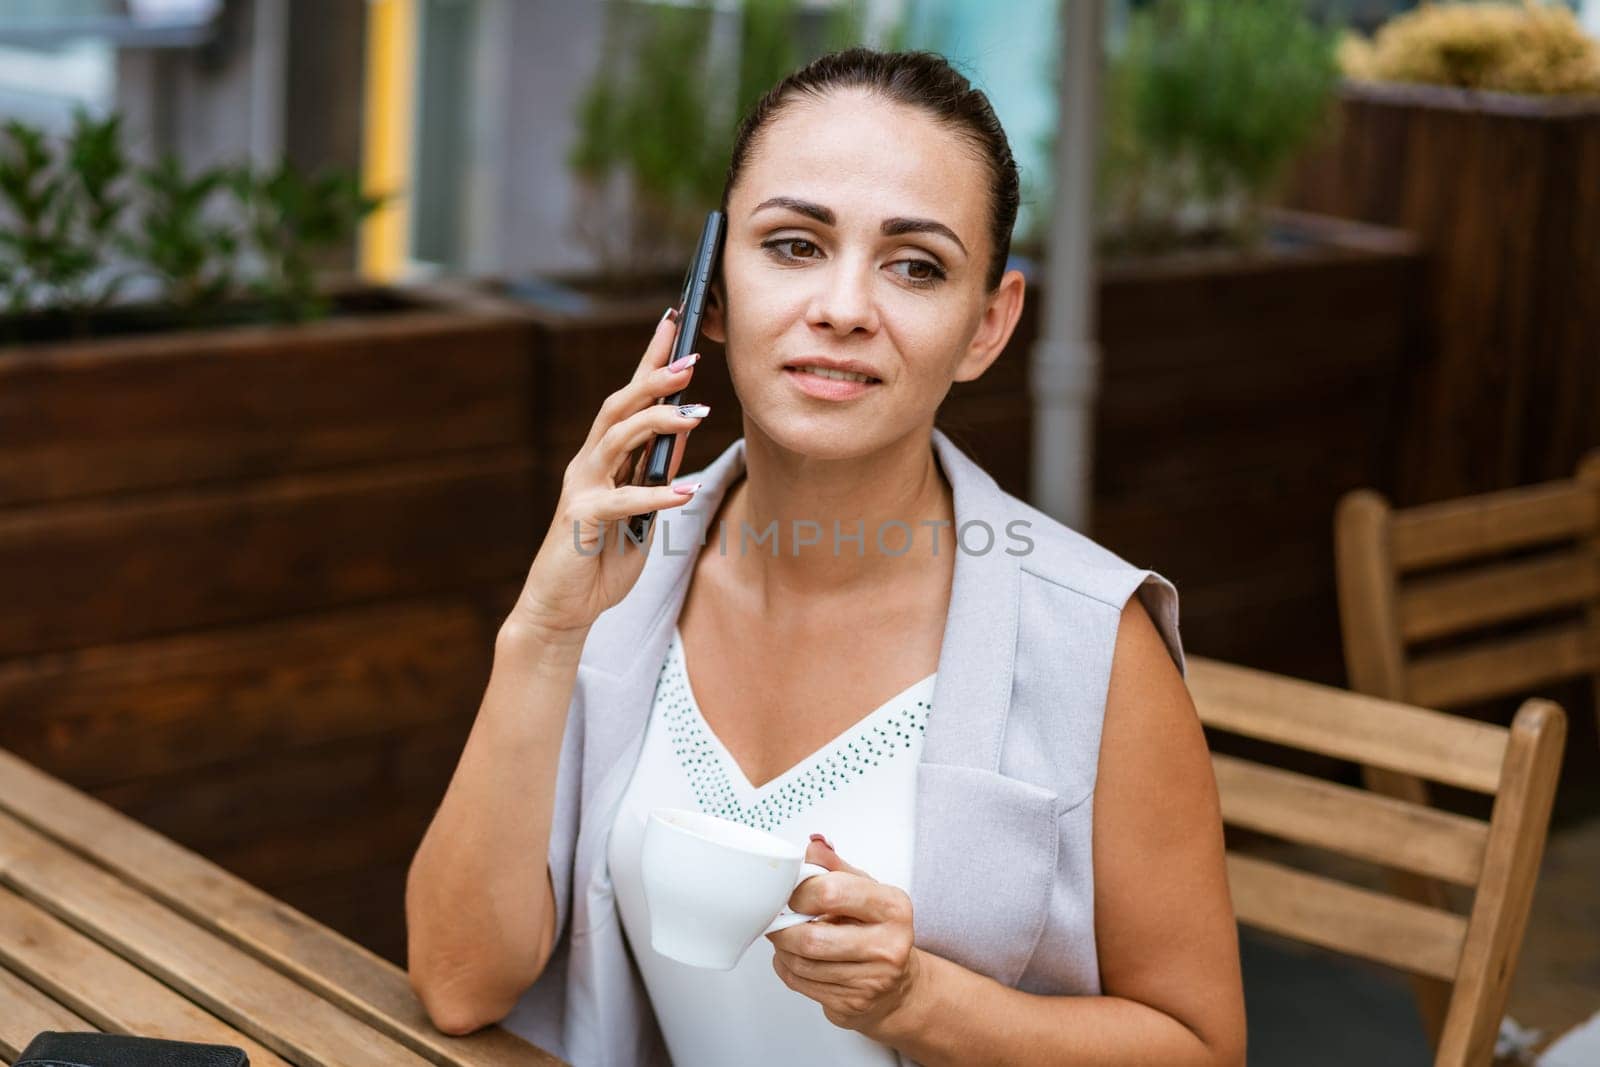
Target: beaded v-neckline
<point>720,784</point>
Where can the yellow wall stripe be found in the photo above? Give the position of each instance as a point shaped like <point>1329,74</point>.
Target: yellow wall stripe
<point>389,116</point>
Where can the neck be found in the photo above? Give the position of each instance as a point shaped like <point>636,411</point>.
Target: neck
<point>794,499</point>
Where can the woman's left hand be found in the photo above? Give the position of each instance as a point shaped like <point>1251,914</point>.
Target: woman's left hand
<point>860,963</point>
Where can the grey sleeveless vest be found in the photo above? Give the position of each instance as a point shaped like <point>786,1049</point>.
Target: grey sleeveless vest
<point>1002,879</point>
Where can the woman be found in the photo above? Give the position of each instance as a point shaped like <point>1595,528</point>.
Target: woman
<point>973,716</point>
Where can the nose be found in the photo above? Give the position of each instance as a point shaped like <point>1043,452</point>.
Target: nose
<point>845,303</point>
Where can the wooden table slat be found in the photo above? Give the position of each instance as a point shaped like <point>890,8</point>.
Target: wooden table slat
<point>111,993</point>
<point>319,959</point>
<point>28,1012</point>
<point>258,1000</point>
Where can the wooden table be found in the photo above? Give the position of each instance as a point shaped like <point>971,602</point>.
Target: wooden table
<point>106,925</point>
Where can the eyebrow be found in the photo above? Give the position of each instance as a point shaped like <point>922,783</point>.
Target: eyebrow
<point>892,227</point>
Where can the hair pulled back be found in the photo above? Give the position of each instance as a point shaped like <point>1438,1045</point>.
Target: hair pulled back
<point>923,80</point>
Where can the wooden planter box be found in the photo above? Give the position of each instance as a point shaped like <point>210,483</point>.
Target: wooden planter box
<point>252,580</point>
<point>1504,192</point>
<point>1240,396</point>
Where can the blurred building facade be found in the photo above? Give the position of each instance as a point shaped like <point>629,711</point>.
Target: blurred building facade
<point>478,131</point>
<point>208,80</point>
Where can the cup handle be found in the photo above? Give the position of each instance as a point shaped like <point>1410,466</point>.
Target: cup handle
<point>787,918</point>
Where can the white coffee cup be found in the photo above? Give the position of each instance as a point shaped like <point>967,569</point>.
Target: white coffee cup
<point>713,886</point>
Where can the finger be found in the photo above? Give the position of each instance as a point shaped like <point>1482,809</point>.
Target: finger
<point>659,348</point>
<point>821,852</point>
<point>628,466</point>
<point>604,514</point>
<point>823,992</point>
<point>650,371</point>
<point>837,942</point>
<point>618,443</point>
<point>627,471</point>
<point>849,895</point>
<point>637,395</point>
<point>831,972</point>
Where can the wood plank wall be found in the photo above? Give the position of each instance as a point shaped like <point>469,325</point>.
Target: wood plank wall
<point>1237,405</point>
<point>1504,193</point>
<point>251,589</point>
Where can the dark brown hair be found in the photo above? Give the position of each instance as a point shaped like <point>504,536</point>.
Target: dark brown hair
<point>923,80</point>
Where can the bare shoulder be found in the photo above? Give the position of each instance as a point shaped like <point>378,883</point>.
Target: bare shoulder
<point>1153,754</point>
<point>1164,923</point>
<point>1146,694</point>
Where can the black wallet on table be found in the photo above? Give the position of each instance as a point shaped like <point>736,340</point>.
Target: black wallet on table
<point>53,1048</point>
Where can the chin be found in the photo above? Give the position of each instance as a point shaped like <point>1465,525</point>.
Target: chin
<point>837,435</point>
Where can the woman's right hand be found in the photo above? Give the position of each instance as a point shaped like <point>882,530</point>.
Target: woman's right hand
<point>567,589</point>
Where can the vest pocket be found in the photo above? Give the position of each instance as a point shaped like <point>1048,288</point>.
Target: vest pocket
<point>985,863</point>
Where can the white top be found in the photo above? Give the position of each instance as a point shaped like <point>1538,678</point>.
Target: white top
<point>858,791</point>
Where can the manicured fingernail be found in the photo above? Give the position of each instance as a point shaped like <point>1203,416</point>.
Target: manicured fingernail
<point>694,411</point>
<point>683,364</point>
<point>824,840</point>
<point>687,488</point>
<point>670,315</point>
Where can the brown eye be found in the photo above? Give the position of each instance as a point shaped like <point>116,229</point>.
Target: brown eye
<point>780,248</point>
<point>933,273</point>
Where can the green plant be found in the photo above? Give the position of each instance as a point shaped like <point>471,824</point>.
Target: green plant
<point>1509,47</point>
<point>33,193</point>
<point>178,241</point>
<point>659,118</point>
<point>67,246</point>
<point>1207,103</point>
<point>63,209</point>
<point>289,220</point>
<point>652,128</point>
<point>98,168</point>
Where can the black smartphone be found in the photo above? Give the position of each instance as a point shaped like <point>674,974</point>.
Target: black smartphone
<point>654,462</point>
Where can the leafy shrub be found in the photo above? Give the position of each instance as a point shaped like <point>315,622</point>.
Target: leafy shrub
<point>64,213</point>
<point>1208,101</point>
<point>658,119</point>
<point>1509,47</point>
<point>77,222</point>
<point>179,242</point>
<point>289,220</point>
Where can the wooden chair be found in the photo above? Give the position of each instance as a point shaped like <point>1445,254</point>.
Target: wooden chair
<point>1385,608</point>
<point>1438,575</point>
<point>1472,956</point>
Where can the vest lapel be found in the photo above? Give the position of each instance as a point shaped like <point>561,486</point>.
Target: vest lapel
<point>624,652</point>
<point>985,843</point>
<point>980,628</point>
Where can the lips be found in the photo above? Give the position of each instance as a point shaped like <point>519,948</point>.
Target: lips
<point>831,367</point>
<point>822,387</point>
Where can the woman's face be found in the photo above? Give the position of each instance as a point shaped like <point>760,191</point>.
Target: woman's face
<point>858,230</point>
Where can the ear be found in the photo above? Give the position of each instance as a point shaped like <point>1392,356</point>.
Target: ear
<point>1000,314</point>
<point>713,321</point>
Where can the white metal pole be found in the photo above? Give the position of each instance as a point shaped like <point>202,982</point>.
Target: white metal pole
<point>1066,358</point>
<point>269,82</point>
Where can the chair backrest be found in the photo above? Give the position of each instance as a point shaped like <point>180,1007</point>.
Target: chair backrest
<point>1498,859</point>
<point>1444,571</point>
